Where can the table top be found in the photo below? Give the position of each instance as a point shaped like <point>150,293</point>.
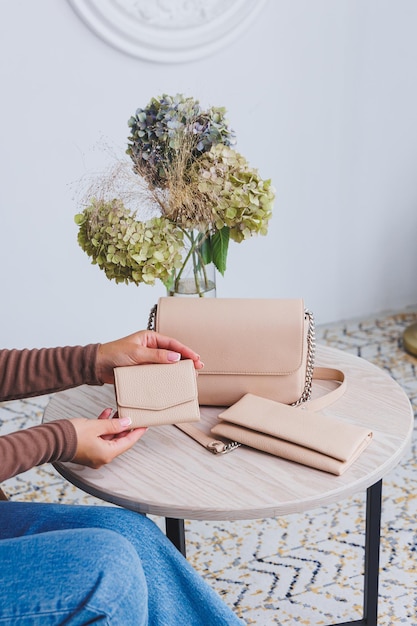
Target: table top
<point>166,473</point>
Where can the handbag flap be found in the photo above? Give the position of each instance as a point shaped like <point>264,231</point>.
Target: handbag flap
<point>155,386</point>
<point>238,336</point>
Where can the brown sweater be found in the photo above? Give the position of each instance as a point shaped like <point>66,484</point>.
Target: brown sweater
<point>28,373</point>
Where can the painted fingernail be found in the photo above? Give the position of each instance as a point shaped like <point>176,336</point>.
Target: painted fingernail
<point>125,421</point>
<point>174,356</point>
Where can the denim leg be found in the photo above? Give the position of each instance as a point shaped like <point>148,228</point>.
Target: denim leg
<point>176,593</point>
<point>71,577</point>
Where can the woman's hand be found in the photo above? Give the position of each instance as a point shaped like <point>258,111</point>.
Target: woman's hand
<point>145,346</point>
<point>100,441</point>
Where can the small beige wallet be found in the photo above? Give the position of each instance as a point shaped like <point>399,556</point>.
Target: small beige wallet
<point>156,394</point>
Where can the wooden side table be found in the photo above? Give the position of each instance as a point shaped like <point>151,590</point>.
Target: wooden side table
<point>168,474</point>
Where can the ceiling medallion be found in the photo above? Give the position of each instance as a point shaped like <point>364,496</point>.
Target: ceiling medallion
<point>167,31</point>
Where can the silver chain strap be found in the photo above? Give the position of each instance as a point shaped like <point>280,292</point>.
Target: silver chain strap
<point>311,353</point>
<point>152,317</point>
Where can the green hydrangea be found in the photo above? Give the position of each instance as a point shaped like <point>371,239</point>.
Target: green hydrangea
<point>128,250</point>
<point>240,199</point>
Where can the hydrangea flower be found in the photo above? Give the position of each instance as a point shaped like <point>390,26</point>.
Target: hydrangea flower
<point>128,250</point>
<point>158,132</point>
<point>241,200</point>
<point>203,193</point>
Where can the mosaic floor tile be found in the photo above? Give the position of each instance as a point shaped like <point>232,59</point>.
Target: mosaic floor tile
<point>302,568</point>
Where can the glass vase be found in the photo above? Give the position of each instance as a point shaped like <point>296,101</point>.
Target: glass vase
<point>194,278</point>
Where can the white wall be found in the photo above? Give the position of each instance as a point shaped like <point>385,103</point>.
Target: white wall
<point>323,97</point>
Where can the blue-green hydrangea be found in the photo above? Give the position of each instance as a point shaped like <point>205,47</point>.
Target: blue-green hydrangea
<point>158,130</point>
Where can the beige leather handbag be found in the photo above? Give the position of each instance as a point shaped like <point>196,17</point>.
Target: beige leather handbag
<point>259,346</point>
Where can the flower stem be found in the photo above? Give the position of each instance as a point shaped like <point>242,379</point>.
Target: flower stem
<point>199,269</point>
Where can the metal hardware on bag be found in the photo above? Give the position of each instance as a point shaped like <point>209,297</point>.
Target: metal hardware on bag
<point>217,447</point>
<point>311,353</point>
<point>152,317</point>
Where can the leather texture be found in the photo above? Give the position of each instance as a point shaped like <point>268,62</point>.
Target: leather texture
<point>247,345</point>
<point>294,433</point>
<point>157,394</point>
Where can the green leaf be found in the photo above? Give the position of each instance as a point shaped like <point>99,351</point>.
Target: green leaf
<point>220,246</point>
<point>206,251</point>
<point>169,282</point>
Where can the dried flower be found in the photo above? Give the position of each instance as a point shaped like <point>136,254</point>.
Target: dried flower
<point>240,199</point>
<point>128,250</point>
<point>200,190</point>
<point>159,131</point>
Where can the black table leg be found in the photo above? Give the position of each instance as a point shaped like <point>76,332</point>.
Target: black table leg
<point>175,532</point>
<point>372,549</point>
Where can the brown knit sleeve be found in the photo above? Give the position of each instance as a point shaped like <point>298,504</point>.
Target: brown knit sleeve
<point>24,449</point>
<point>26,373</point>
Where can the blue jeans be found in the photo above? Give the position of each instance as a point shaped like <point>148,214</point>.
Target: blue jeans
<point>78,565</point>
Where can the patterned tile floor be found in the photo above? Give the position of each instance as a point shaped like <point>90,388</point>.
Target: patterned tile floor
<point>303,568</point>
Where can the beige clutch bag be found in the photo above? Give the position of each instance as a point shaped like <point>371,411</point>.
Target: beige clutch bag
<point>157,394</point>
<point>294,433</point>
